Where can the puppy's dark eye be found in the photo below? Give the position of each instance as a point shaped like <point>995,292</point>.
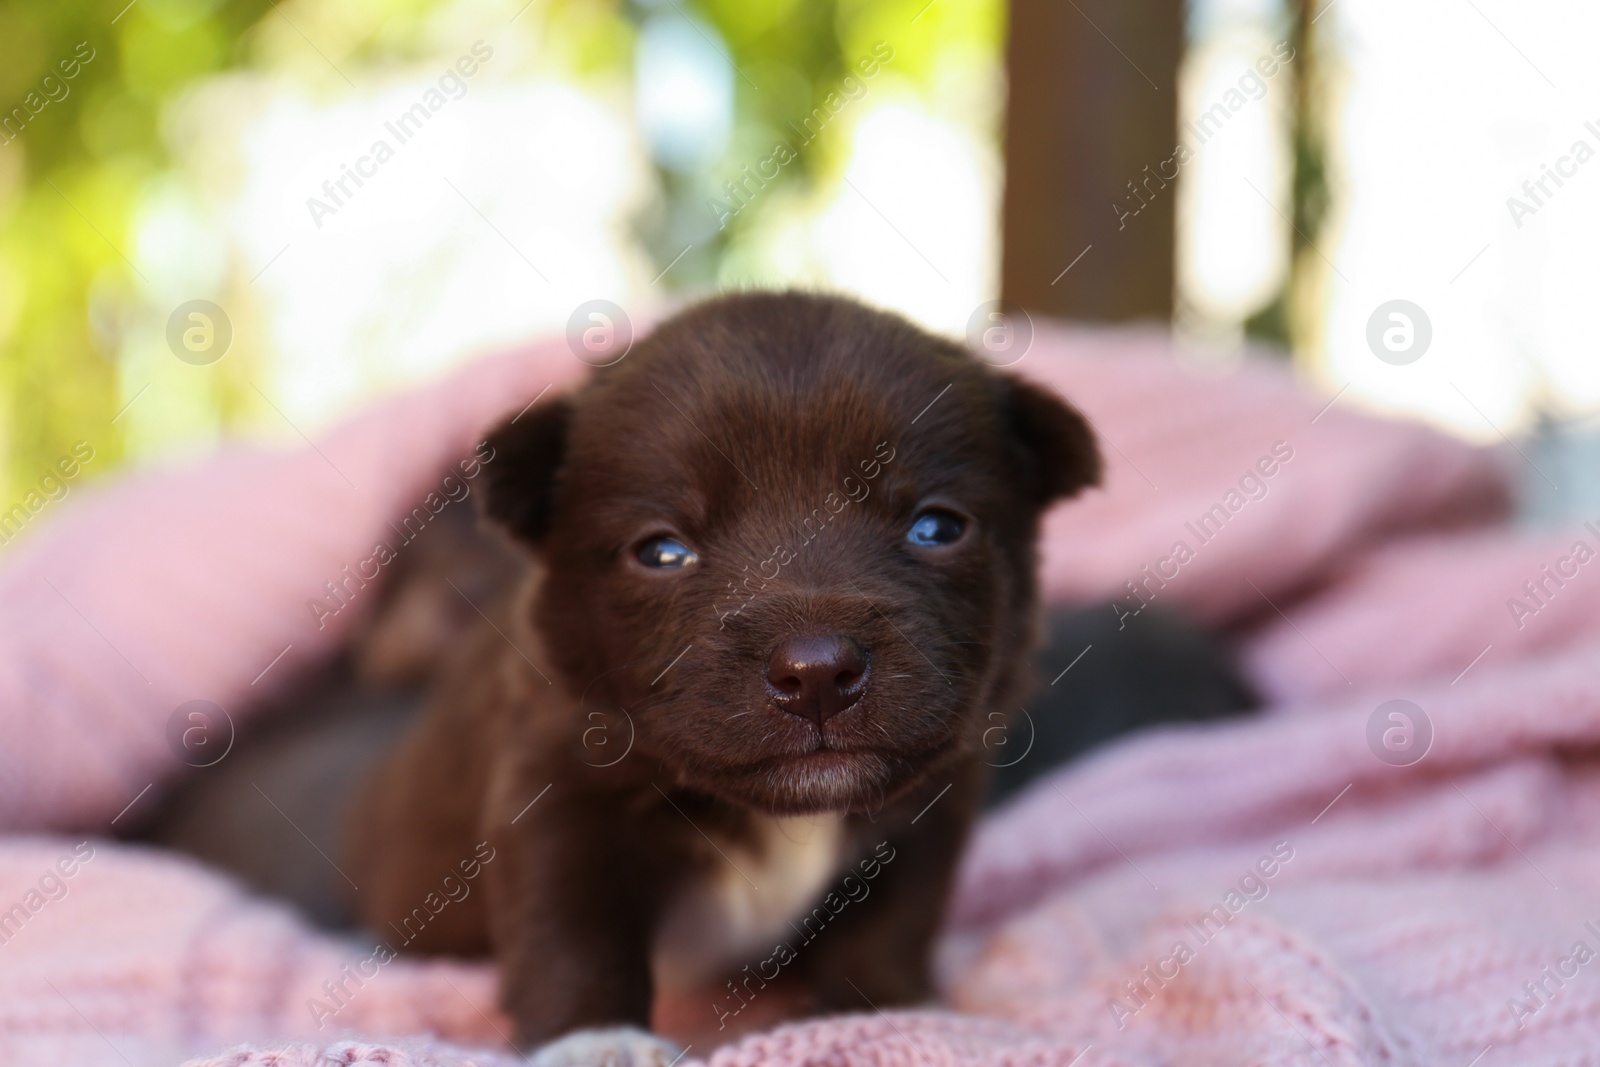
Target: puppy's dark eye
<point>667,553</point>
<point>936,527</point>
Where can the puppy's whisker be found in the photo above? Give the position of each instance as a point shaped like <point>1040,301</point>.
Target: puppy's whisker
<point>584,695</point>
<point>653,700</point>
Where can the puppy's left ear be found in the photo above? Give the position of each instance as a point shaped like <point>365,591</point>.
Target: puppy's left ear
<point>523,475</point>
<point>1055,448</point>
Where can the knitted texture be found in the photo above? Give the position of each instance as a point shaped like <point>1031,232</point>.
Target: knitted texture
<point>1265,891</point>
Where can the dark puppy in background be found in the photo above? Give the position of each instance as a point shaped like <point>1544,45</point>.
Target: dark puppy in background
<point>783,563</point>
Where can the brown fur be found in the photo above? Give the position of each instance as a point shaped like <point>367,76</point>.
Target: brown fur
<point>790,440</point>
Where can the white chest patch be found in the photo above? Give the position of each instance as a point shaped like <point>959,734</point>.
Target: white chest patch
<point>748,897</point>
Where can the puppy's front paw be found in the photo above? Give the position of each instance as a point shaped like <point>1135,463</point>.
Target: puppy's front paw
<point>611,1046</point>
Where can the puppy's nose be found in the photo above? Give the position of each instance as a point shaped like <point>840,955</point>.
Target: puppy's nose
<point>817,677</point>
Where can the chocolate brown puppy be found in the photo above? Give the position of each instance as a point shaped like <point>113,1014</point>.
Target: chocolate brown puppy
<point>781,570</point>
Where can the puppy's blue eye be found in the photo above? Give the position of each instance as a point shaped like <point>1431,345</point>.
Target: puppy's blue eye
<point>666,552</point>
<point>936,527</point>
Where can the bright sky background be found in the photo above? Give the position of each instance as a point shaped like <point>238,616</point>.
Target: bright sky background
<point>514,204</point>
<point>1443,109</point>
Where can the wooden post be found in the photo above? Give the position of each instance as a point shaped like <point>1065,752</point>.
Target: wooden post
<point>1091,121</point>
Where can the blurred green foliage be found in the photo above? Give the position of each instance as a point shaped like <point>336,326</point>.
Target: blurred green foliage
<point>790,55</point>
<point>82,151</point>
<point>81,95</point>
<point>1292,321</point>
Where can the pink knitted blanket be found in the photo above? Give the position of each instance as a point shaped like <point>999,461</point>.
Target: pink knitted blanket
<point>1296,889</point>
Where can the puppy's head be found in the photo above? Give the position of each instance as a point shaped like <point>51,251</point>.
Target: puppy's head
<point>793,538</point>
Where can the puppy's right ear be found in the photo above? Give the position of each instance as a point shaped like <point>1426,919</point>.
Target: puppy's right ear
<point>1056,453</point>
<point>520,490</point>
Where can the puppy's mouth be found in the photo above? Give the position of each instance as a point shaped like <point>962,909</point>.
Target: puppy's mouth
<point>835,778</point>
<point>825,780</point>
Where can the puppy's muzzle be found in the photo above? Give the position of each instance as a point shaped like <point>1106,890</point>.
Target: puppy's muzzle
<point>817,677</point>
